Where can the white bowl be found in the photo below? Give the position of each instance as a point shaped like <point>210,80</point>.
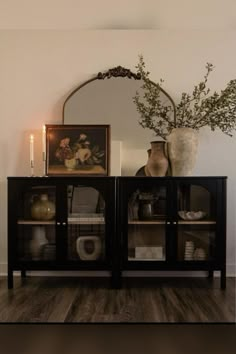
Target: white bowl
<point>192,215</point>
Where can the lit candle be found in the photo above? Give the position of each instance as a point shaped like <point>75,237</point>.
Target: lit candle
<point>32,154</point>
<point>44,149</point>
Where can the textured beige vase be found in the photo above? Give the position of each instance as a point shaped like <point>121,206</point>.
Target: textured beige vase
<point>157,164</point>
<point>182,151</point>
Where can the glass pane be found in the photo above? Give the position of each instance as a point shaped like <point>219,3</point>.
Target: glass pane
<point>146,224</point>
<point>196,224</point>
<point>36,224</point>
<point>86,224</point>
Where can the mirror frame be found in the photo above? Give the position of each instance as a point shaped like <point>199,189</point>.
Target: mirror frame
<point>118,71</point>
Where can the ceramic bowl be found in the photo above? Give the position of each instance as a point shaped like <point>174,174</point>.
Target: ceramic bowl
<point>191,215</point>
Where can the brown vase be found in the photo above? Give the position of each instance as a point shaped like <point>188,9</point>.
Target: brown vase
<point>157,164</point>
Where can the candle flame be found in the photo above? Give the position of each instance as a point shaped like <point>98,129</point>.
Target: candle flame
<point>31,137</point>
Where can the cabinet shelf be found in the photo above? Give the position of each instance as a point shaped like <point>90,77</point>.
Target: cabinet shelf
<point>85,222</point>
<point>149,222</point>
<point>196,222</point>
<point>181,222</point>
<point>34,222</point>
<point>133,259</point>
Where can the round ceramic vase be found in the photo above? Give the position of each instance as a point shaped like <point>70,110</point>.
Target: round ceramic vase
<point>43,208</point>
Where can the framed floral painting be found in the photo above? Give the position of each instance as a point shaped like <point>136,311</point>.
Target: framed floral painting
<point>77,150</point>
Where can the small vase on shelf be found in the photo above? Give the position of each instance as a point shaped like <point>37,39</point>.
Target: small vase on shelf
<point>43,208</point>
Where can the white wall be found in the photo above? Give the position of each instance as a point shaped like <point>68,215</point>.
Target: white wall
<point>39,67</point>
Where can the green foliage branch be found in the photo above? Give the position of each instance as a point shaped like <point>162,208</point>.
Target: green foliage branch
<point>195,110</point>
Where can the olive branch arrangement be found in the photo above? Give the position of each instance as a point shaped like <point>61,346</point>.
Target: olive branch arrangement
<point>195,110</point>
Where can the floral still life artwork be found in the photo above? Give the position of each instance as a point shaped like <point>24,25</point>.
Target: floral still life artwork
<point>77,149</point>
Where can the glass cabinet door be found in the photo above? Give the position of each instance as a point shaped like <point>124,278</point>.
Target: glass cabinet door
<point>36,236</point>
<point>86,224</point>
<point>146,232</point>
<point>196,215</point>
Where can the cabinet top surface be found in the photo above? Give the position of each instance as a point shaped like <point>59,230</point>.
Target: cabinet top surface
<point>38,178</point>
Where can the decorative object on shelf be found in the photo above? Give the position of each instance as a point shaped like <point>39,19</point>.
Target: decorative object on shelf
<point>199,254</point>
<point>43,208</point>
<point>189,251</point>
<point>78,149</point>
<point>89,247</point>
<point>192,215</point>
<point>37,242</point>
<point>32,155</point>
<point>84,200</point>
<point>145,209</point>
<point>217,111</point>
<point>182,144</point>
<point>157,164</point>
<point>149,253</point>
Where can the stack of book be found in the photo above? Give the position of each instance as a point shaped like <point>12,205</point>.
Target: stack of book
<point>86,218</point>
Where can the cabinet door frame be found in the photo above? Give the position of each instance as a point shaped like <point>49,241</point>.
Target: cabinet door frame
<point>128,185</point>
<point>106,186</point>
<point>213,185</point>
<point>16,186</point>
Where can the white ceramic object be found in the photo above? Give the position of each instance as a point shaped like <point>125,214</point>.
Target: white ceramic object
<point>37,242</point>
<point>82,249</point>
<point>192,215</point>
<point>182,144</point>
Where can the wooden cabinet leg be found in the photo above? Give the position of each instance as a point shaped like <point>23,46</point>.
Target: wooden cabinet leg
<point>10,279</point>
<point>223,279</point>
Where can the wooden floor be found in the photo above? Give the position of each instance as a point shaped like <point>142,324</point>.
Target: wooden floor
<point>165,300</point>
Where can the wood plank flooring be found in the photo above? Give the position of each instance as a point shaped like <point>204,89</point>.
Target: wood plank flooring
<point>91,300</point>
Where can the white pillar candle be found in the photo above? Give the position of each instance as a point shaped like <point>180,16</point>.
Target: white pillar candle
<point>44,149</point>
<point>44,140</point>
<point>32,154</point>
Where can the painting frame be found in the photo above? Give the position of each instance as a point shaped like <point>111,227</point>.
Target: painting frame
<point>78,150</point>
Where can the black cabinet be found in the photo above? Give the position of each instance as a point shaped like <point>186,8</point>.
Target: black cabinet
<point>173,223</point>
<point>117,224</point>
<point>60,223</point>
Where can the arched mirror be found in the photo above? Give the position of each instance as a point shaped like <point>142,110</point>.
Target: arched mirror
<point>107,98</point>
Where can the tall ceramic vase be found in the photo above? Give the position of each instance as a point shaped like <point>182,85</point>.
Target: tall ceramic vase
<point>182,151</point>
<point>157,164</point>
